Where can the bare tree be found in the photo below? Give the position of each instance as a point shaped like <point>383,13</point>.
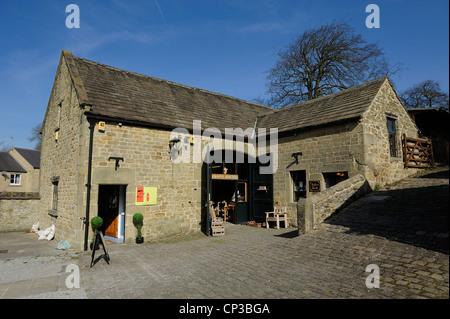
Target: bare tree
<point>425,94</point>
<point>36,136</point>
<point>6,147</point>
<point>322,61</point>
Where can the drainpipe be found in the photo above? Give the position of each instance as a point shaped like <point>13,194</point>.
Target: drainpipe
<point>88,185</point>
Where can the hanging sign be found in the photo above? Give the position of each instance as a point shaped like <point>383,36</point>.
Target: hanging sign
<point>230,177</point>
<point>146,196</point>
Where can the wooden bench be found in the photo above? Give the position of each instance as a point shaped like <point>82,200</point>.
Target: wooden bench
<point>278,215</point>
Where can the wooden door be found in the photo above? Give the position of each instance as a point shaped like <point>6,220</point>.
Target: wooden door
<point>108,208</point>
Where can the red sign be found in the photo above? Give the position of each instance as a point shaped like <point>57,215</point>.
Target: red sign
<point>140,195</point>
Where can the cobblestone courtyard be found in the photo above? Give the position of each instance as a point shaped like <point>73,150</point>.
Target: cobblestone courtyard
<point>403,230</point>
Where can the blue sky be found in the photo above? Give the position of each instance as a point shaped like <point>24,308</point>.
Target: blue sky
<point>224,46</point>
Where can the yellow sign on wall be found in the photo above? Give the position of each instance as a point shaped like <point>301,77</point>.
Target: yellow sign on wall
<point>146,195</point>
<point>101,127</point>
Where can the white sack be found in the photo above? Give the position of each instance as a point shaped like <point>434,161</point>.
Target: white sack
<point>52,233</point>
<point>45,233</point>
<point>35,227</point>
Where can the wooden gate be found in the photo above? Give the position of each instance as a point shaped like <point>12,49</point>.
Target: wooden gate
<point>417,153</point>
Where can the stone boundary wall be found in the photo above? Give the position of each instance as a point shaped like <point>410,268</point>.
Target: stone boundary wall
<point>315,209</point>
<point>18,211</point>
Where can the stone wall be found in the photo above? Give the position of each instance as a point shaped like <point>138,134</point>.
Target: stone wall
<point>326,149</point>
<point>60,158</point>
<point>315,209</point>
<point>379,167</point>
<point>147,163</point>
<point>18,211</point>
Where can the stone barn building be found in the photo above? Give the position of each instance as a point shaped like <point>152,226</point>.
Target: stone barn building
<point>115,143</point>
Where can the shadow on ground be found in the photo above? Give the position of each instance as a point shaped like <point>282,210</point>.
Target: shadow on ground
<point>417,216</point>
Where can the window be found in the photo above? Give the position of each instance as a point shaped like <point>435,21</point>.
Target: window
<point>332,179</point>
<point>59,113</point>
<point>14,180</point>
<point>55,196</point>
<point>392,132</point>
<point>299,185</point>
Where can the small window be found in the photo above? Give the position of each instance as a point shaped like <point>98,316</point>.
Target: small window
<point>55,196</point>
<point>14,180</point>
<point>392,132</point>
<point>299,185</point>
<point>59,113</point>
<point>332,179</point>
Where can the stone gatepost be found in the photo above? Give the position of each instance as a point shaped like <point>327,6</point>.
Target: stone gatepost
<point>305,217</point>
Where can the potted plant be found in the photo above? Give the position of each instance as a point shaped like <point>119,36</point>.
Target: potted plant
<point>138,221</point>
<point>96,223</point>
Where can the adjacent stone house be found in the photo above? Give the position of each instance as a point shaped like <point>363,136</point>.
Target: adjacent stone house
<point>115,143</point>
<point>19,189</point>
<point>20,170</point>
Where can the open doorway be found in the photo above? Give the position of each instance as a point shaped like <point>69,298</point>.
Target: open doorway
<point>240,188</point>
<point>111,208</point>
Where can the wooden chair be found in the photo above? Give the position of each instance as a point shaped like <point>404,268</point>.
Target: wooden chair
<point>279,214</point>
<point>223,209</point>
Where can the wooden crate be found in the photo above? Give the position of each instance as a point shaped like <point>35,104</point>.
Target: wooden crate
<point>216,223</point>
<point>218,231</point>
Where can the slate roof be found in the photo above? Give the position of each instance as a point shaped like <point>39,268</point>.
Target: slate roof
<point>9,163</point>
<point>341,106</point>
<point>124,95</point>
<point>31,156</point>
<point>121,94</point>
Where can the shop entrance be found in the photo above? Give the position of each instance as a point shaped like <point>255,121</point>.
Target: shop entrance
<point>111,208</point>
<point>228,190</point>
<point>238,191</point>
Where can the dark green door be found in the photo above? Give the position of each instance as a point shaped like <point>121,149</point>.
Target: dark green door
<point>241,202</point>
<point>261,193</point>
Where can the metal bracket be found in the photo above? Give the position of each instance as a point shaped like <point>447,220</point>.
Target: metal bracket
<point>296,155</point>
<point>117,159</point>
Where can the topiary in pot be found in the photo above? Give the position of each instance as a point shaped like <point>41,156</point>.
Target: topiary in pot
<point>96,223</point>
<point>138,221</point>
